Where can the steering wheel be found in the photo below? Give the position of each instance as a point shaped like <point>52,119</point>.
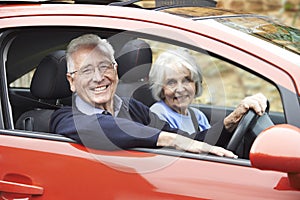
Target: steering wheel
<point>250,120</point>
<point>245,123</point>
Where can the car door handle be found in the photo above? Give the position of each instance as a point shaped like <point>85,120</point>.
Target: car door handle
<point>20,188</point>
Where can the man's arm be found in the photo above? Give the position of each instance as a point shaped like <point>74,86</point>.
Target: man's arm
<point>109,133</point>
<point>216,135</point>
<point>186,144</point>
<point>102,131</point>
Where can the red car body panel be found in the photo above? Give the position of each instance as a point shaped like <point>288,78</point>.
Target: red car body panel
<point>65,171</point>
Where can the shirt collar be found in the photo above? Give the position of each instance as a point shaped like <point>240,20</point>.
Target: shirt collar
<point>88,109</point>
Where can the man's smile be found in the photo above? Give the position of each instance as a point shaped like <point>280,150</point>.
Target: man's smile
<point>101,88</point>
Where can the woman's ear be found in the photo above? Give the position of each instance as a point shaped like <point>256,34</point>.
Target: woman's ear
<point>162,94</point>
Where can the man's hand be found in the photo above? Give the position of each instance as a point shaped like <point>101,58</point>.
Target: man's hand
<point>186,144</point>
<point>257,102</point>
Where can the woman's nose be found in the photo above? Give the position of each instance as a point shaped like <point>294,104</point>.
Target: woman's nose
<point>179,87</point>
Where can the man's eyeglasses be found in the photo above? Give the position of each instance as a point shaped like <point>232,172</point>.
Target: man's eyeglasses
<point>90,70</point>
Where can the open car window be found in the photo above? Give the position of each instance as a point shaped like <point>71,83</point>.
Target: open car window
<point>225,83</point>
<point>221,80</point>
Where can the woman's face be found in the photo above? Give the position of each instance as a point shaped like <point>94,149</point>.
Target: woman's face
<point>179,89</point>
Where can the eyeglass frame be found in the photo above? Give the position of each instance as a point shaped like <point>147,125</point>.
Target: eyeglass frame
<point>112,64</point>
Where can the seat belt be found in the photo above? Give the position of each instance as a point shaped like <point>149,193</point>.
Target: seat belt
<point>194,119</point>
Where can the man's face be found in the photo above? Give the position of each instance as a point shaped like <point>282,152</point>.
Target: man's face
<point>93,82</point>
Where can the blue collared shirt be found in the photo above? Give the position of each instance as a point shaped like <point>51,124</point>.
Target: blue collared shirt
<point>88,109</point>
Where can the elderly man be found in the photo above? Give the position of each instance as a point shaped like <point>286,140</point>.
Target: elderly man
<point>102,120</point>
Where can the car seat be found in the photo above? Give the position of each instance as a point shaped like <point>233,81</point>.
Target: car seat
<point>48,84</point>
<point>134,63</point>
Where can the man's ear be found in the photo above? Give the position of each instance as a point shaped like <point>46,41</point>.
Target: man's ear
<point>116,70</point>
<point>71,81</point>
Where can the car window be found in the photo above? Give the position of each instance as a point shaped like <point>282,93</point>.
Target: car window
<point>224,83</point>
<point>23,81</point>
<point>278,34</point>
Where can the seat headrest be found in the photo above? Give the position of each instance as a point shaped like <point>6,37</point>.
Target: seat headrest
<point>49,80</point>
<point>134,61</point>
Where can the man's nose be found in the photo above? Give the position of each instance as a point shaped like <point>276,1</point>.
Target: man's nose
<point>98,75</point>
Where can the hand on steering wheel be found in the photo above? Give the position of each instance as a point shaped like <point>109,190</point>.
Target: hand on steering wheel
<point>249,120</point>
<point>241,129</point>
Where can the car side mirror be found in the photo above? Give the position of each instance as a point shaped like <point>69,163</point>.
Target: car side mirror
<point>278,148</point>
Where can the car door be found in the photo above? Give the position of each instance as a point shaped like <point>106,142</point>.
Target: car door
<point>50,168</point>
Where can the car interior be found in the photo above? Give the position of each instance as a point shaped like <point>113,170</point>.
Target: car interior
<point>134,64</point>
<point>48,83</point>
<point>47,89</point>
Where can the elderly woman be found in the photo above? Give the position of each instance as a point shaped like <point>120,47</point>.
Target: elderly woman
<point>176,80</point>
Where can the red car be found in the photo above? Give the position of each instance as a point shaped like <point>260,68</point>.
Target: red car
<point>240,54</point>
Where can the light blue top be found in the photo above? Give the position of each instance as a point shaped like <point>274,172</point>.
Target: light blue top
<point>179,121</point>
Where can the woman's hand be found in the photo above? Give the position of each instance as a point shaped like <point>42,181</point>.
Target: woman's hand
<point>257,102</point>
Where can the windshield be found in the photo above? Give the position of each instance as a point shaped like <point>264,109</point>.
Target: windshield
<point>259,26</point>
<point>279,34</point>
